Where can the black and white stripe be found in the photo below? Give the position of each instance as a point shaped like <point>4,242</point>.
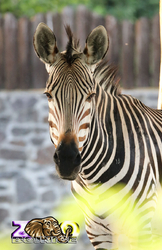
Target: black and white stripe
<point>118,138</point>
<point>125,148</point>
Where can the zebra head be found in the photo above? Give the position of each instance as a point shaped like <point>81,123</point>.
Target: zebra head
<point>70,90</point>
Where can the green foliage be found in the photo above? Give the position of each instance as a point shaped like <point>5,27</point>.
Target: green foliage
<point>122,9</point>
<point>126,9</point>
<point>31,7</point>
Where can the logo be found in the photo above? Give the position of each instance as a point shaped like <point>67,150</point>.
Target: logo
<point>45,230</point>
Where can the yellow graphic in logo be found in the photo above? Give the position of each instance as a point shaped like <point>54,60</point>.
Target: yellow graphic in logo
<point>73,226</point>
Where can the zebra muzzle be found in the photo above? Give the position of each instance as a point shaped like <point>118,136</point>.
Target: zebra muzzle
<point>68,160</point>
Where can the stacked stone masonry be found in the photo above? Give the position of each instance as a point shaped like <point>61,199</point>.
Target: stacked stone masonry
<point>29,186</point>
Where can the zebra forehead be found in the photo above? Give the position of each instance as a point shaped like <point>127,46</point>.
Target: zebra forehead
<point>66,79</point>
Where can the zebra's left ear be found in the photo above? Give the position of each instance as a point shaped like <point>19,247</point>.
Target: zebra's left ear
<point>44,42</point>
<point>97,45</point>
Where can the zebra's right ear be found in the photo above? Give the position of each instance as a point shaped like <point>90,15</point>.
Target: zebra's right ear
<point>45,44</point>
<point>97,45</point>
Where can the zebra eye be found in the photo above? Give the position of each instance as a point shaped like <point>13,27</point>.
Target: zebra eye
<point>89,98</point>
<point>49,96</point>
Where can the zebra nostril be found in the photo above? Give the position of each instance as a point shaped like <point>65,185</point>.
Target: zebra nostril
<point>77,160</point>
<point>56,159</point>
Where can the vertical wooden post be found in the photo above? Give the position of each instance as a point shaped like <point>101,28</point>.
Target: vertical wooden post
<point>155,59</point>
<point>10,51</point>
<point>160,83</point>
<point>128,54</point>
<point>57,28</point>
<point>83,24</point>
<point>67,19</point>
<point>24,64</point>
<point>39,76</point>
<point>96,20</point>
<point>142,39</point>
<point>112,27</point>
<point>2,54</point>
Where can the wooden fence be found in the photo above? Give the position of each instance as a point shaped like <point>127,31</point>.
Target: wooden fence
<point>134,48</point>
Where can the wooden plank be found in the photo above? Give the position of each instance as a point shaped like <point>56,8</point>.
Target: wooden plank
<point>24,65</point>
<point>159,106</point>
<point>49,20</point>
<point>96,20</point>
<point>20,67</point>
<point>39,74</point>
<point>127,55</point>
<point>112,27</point>
<point>10,51</point>
<point>56,29</point>
<point>155,51</point>
<point>67,18</point>
<point>82,24</point>
<point>2,54</point>
<point>142,38</point>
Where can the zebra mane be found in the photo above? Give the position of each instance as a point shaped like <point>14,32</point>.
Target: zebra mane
<point>73,44</point>
<point>106,75</point>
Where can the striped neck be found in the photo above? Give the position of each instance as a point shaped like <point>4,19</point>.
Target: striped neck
<point>98,137</point>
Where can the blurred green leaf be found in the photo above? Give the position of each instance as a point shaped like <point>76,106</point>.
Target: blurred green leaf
<point>125,9</point>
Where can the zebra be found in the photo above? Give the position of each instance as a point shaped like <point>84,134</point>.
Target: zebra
<point>103,139</point>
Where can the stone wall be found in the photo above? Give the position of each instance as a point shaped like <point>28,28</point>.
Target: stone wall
<point>29,186</point>
<point>27,171</point>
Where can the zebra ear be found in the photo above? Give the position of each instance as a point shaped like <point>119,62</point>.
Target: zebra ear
<point>45,44</point>
<point>97,45</point>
